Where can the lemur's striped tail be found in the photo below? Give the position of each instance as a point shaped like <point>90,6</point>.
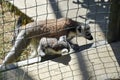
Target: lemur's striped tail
<point>17,29</point>
<point>19,46</point>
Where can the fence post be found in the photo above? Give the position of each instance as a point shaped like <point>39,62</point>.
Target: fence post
<point>114,22</point>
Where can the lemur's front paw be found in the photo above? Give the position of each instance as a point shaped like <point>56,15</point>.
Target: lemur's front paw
<point>71,51</point>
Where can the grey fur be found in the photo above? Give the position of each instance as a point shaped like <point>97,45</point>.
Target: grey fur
<point>52,46</point>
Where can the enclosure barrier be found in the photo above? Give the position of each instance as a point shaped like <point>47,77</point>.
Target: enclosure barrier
<point>91,60</point>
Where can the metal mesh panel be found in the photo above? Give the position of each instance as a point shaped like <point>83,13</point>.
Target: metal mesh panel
<point>91,60</point>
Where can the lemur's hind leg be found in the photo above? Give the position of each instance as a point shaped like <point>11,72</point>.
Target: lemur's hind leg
<point>34,46</point>
<point>41,46</point>
<point>70,49</point>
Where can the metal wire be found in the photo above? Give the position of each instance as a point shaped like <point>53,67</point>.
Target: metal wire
<point>79,65</point>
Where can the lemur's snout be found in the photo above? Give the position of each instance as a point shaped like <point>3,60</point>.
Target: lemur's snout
<point>89,36</point>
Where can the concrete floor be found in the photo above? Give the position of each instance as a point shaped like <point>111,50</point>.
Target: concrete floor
<point>92,60</point>
<point>99,63</point>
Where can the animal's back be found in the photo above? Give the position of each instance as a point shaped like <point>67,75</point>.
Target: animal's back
<point>49,28</point>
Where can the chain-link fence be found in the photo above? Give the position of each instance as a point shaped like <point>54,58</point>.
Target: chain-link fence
<point>26,22</point>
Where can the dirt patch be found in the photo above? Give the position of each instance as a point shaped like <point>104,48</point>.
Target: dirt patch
<point>7,26</point>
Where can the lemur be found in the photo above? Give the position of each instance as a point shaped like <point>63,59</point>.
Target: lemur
<point>50,46</point>
<point>51,28</point>
<point>53,46</point>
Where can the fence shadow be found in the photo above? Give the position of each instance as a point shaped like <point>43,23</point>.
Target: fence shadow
<point>14,73</point>
<point>96,14</point>
<point>56,9</point>
<point>99,11</point>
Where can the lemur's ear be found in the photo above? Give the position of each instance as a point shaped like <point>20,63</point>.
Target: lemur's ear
<point>68,21</point>
<point>71,22</point>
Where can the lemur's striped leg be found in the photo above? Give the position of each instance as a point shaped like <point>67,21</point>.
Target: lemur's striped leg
<point>19,46</point>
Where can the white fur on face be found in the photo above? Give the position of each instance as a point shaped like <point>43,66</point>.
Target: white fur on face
<point>83,30</point>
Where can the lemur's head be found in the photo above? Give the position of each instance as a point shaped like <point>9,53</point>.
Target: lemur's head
<point>83,29</point>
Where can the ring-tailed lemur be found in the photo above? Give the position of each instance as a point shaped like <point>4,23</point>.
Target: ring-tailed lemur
<point>52,28</point>
<point>48,45</point>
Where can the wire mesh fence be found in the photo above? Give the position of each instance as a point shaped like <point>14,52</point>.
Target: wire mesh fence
<point>90,60</point>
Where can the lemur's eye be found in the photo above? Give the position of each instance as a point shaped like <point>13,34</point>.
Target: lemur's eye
<point>88,28</point>
<point>79,29</point>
